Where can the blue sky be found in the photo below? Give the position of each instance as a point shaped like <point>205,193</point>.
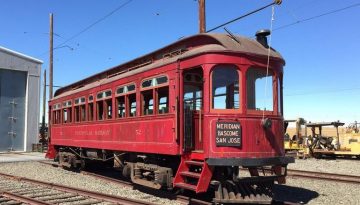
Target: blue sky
<point>322,72</point>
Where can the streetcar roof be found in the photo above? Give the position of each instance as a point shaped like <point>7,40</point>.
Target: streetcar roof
<point>183,48</point>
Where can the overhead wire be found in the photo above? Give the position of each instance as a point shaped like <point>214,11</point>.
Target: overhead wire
<point>83,30</point>
<point>278,2</point>
<point>96,22</point>
<point>317,16</point>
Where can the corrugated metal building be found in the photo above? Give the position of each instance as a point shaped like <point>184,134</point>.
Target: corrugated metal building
<point>19,100</point>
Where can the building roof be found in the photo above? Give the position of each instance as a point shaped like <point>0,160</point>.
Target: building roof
<point>183,48</point>
<point>20,55</point>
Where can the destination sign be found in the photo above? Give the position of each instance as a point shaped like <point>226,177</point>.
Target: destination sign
<point>228,134</point>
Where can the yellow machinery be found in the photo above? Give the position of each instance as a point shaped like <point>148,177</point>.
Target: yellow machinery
<point>350,140</point>
<point>320,145</point>
<point>295,144</point>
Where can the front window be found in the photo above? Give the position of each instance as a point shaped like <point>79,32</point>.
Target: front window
<point>259,88</point>
<point>225,87</point>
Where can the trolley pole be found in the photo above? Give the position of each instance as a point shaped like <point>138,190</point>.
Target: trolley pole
<point>202,20</point>
<point>51,59</point>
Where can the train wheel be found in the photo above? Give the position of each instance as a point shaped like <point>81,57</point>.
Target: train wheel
<point>317,155</point>
<point>126,172</point>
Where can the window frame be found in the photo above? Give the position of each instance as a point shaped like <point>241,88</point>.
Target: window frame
<point>241,90</point>
<point>56,111</point>
<point>79,106</point>
<point>126,95</point>
<point>104,100</point>
<point>155,95</point>
<point>274,80</point>
<point>88,114</point>
<point>68,106</point>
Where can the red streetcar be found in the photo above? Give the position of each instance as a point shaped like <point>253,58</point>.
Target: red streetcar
<point>191,115</point>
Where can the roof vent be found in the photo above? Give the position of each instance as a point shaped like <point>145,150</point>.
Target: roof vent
<point>261,37</point>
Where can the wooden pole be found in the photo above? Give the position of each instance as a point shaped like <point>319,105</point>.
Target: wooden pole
<point>202,20</point>
<point>51,59</point>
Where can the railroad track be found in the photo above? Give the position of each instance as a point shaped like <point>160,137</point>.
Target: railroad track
<point>324,176</point>
<point>317,175</point>
<point>181,198</point>
<point>19,190</point>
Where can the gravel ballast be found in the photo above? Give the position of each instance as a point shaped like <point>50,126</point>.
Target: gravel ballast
<point>321,192</point>
<point>42,172</point>
<point>297,190</point>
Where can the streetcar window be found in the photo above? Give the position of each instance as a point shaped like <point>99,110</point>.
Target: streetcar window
<point>77,113</point>
<point>91,111</point>
<point>132,105</point>
<point>193,96</point>
<point>225,87</point>
<point>161,80</point>
<point>120,90</point>
<point>259,89</point>
<point>163,100</point>
<point>147,102</point>
<point>130,88</point>
<point>108,93</point>
<point>53,117</point>
<point>70,114</point>
<point>99,95</point>
<point>65,115</point>
<point>146,83</point>
<point>154,82</point>
<point>120,106</point>
<point>56,117</point>
<point>100,110</point>
<point>82,112</point>
<point>108,108</point>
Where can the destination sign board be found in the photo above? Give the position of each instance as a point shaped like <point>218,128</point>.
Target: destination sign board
<point>228,134</point>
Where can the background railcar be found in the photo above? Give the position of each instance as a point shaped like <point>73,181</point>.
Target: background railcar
<point>187,115</point>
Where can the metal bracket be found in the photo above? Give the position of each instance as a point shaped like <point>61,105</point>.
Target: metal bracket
<point>13,102</point>
<point>12,134</point>
<point>13,118</point>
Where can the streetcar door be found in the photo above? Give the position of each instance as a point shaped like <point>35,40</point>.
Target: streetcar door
<point>193,105</point>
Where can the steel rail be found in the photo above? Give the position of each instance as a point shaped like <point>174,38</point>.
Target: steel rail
<point>180,198</point>
<point>318,175</point>
<point>22,199</point>
<point>324,176</point>
<point>82,192</point>
<point>278,202</point>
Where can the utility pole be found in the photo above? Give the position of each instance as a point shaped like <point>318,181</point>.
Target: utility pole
<point>50,74</point>
<point>51,59</point>
<point>202,19</point>
<point>43,111</point>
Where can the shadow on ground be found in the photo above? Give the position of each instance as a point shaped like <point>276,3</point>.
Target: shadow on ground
<point>293,194</point>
